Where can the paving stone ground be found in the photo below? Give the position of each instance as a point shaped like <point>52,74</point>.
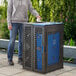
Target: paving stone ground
<point>17,70</point>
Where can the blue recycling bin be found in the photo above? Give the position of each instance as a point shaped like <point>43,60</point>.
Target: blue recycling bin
<point>46,49</point>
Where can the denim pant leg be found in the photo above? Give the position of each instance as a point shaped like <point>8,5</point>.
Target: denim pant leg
<point>20,44</point>
<point>11,45</point>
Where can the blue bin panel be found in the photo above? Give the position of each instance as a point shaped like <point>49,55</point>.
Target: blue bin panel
<point>39,51</point>
<point>53,48</point>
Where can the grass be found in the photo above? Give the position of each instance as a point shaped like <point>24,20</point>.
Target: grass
<point>16,51</point>
<point>70,60</point>
<point>70,42</point>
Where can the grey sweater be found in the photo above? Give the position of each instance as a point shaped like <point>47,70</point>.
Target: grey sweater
<point>17,11</point>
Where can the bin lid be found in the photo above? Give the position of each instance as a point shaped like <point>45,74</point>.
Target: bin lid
<point>46,23</point>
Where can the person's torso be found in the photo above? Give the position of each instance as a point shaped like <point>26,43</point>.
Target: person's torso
<point>20,8</point>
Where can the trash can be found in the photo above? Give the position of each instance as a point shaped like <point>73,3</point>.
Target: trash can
<point>43,46</point>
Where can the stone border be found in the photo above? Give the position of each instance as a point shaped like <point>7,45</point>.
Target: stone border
<point>68,51</point>
<point>4,43</point>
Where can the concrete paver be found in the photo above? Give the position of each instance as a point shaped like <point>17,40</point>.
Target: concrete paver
<point>9,70</point>
<point>2,75</point>
<point>28,73</point>
<point>17,70</point>
<point>67,74</point>
<point>73,72</point>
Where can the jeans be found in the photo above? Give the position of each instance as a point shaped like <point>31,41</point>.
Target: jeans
<point>16,28</point>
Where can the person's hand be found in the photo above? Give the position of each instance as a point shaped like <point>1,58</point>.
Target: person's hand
<point>10,27</point>
<point>38,19</point>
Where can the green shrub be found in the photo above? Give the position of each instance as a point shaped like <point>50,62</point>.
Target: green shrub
<point>72,42</point>
<point>66,42</point>
<point>2,12</point>
<point>54,11</point>
<point>5,31</point>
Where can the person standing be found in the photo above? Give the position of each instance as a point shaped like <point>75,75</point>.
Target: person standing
<point>16,14</point>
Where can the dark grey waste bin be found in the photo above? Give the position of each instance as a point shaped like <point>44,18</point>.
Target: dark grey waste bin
<point>43,46</point>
